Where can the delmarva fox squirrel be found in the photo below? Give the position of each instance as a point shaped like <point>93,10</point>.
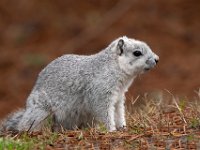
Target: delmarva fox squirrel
<point>80,91</point>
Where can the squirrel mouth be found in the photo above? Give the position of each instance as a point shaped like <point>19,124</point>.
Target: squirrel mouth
<point>146,69</point>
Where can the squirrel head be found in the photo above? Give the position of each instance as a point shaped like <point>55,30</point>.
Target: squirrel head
<point>134,56</point>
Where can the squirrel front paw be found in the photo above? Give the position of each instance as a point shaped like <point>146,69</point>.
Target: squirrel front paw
<point>122,128</point>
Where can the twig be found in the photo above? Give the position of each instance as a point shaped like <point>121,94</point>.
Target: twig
<point>133,102</point>
<point>177,106</point>
<point>135,137</point>
<point>30,126</point>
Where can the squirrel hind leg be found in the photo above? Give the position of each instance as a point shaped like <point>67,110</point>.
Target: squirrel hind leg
<point>33,120</point>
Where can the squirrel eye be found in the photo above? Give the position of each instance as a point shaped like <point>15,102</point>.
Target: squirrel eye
<point>137,53</point>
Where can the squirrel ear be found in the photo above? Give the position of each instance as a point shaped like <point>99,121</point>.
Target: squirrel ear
<point>120,47</point>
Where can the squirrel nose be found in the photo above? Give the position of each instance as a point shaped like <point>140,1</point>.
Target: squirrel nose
<point>156,60</point>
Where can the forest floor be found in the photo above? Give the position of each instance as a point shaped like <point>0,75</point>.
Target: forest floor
<point>154,125</point>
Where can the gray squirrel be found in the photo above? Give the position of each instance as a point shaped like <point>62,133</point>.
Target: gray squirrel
<point>80,91</point>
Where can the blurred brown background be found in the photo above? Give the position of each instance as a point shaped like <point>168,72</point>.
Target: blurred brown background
<point>33,33</point>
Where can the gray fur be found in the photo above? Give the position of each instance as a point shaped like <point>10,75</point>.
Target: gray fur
<point>82,91</point>
<point>10,123</point>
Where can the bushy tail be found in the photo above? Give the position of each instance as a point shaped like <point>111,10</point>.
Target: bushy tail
<point>11,122</point>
